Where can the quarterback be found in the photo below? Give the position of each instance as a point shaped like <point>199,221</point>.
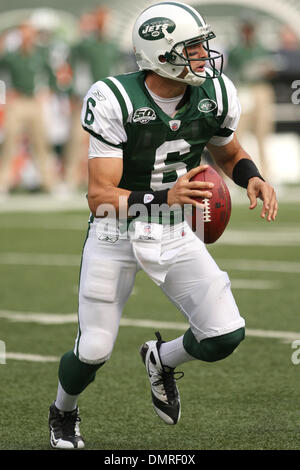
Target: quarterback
<point>148,130</point>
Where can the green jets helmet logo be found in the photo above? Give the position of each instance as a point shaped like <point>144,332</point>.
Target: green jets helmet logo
<point>154,28</point>
<point>207,105</point>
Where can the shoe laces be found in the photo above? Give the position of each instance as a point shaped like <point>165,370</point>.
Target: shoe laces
<point>68,422</point>
<point>167,376</point>
<point>167,379</point>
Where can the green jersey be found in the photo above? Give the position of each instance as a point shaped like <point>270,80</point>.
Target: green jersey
<point>91,59</point>
<point>28,71</point>
<point>157,149</point>
<point>248,64</point>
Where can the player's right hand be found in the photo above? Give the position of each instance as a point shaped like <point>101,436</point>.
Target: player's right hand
<point>184,191</point>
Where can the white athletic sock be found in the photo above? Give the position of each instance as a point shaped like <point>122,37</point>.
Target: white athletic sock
<point>172,353</point>
<point>64,401</point>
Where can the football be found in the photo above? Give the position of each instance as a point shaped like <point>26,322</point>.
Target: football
<point>211,221</point>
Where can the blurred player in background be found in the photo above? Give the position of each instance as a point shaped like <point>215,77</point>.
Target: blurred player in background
<point>287,60</point>
<point>251,67</point>
<point>147,133</point>
<point>29,76</point>
<point>93,57</point>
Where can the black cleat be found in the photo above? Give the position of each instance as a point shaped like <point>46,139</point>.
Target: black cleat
<point>64,429</point>
<point>164,392</point>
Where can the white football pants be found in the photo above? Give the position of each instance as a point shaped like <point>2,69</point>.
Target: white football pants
<point>174,258</point>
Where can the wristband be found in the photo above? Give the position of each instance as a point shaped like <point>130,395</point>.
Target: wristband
<point>243,171</point>
<point>148,198</point>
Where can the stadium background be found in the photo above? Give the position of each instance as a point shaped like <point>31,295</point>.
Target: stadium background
<point>249,401</point>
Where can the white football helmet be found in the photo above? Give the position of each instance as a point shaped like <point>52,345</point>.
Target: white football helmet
<point>161,35</point>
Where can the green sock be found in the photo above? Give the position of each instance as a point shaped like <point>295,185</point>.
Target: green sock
<point>75,375</point>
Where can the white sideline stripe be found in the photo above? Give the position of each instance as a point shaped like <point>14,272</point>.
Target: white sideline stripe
<point>70,223</point>
<point>260,265</point>
<point>42,318</point>
<point>39,259</point>
<point>260,238</point>
<point>257,284</point>
<point>43,203</point>
<point>59,319</point>
<point>30,357</point>
<point>48,259</point>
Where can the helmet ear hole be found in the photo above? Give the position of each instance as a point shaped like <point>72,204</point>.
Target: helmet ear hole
<point>162,59</point>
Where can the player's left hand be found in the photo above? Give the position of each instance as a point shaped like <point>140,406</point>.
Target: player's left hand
<point>258,188</point>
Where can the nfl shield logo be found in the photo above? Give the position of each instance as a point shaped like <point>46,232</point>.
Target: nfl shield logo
<point>147,229</point>
<point>175,124</point>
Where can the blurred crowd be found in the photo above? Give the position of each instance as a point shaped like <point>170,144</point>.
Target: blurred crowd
<point>264,77</point>
<point>43,146</point>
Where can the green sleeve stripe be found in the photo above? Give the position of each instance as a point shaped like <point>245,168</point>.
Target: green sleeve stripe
<point>99,137</point>
<point>224,97</point>
<point>119,97</point>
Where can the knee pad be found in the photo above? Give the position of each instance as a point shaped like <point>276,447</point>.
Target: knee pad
<point>94,346</point>
<point>215,348</point>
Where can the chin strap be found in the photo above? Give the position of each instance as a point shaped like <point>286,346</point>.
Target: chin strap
<point>189,79</point>
<point>193,79</point>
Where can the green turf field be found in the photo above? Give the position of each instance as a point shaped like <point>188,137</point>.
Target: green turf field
<point>248,401</point>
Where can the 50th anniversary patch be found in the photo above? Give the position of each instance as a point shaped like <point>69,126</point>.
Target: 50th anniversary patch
<point>144,115</point>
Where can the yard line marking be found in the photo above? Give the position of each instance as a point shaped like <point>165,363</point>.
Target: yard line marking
<point>64,223</point>
<point>39,259</point>
<point>55,259</point>
<point>259,238</point>
<point>30,357</point>
<point>42,318</point>
<point>44,203</point>
<point>255,284</point>
<point>283,335</point>
<point>260,265</point>
<point>59,319</point>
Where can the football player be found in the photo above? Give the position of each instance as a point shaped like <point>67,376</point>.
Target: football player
<point>147,132</point>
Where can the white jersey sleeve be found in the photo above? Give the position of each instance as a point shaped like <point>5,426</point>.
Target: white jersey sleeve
<point>97,149</point>
<point>102,117</point>
<point>230,123</point>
